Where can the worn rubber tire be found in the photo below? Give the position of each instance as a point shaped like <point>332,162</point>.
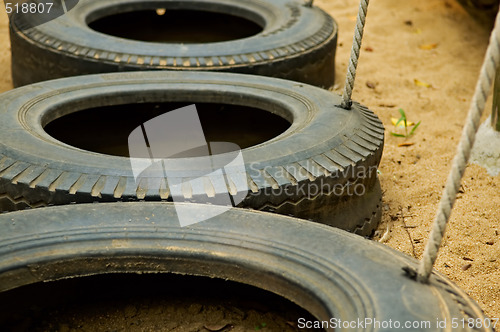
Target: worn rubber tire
<point>305,172</point>
<point>326,271</point>
<point>483,11</point>
<point>297,43</point>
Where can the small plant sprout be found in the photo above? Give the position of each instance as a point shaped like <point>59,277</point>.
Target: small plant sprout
<point>260,326</point>
<point>403,122</point>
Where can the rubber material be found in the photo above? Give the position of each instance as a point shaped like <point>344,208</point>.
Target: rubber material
<point>328,272</point>
<point>483,11</point>
<point>297,43</point>
<point>305,172</point>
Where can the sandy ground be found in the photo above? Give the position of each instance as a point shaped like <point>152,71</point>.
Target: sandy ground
<point>413,177</point>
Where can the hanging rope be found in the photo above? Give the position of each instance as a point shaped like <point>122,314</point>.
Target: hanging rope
<point>483,87</point>
<point>353,61</point>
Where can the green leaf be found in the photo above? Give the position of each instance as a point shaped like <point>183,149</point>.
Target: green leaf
<point>397,135</point>
<point>402,118</point>
<point>414,128</point>
<point>403,114</point>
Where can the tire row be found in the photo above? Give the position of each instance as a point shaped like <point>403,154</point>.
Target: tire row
<point>94,104</point>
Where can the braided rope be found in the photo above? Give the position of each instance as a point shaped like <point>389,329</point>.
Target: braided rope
<point>353,60</point>
<point>495,115</point>
<point>476,109</point>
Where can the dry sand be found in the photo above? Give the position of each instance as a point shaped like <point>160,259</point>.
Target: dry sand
<point>413,177</point>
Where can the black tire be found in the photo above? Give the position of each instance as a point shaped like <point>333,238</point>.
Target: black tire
<point>483,11</point>
<point>297,43</point>
<point>326,271</point>
<point>322,168</point>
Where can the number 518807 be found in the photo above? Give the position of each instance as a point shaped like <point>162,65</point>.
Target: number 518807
<point>28,8</point>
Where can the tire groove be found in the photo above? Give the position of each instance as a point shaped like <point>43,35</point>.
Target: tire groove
<point>14,170</point>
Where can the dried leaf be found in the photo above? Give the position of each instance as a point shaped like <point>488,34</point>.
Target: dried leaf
<point>427,47</point>
<point>405,144</point>
<point>401,124</point>
<point>371,85</point>
<point>422,83</point>
<point>368,49</point>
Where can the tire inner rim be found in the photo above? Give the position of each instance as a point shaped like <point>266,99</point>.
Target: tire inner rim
<point>138,302</point>
<point>106,129</point>
<point>171,23</point>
